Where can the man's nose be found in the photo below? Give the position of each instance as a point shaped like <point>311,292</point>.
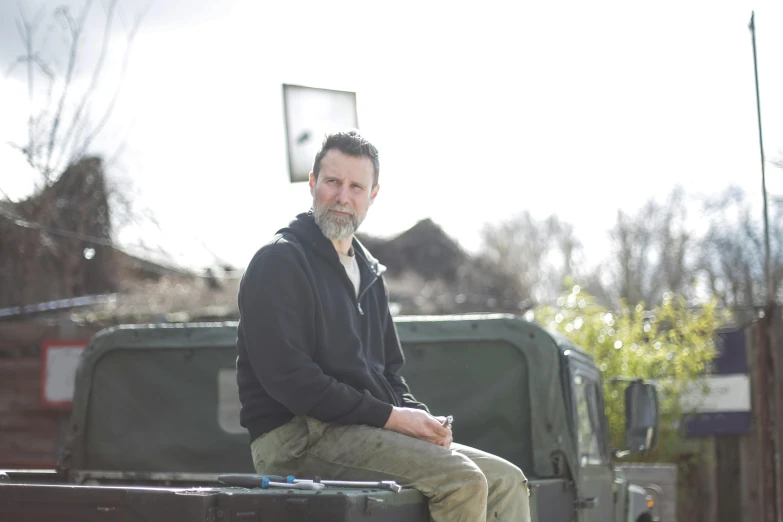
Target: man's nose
<point>342,195</point>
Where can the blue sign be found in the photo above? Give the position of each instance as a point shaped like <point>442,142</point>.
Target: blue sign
<point>721,423</point>
<point>731,357</point>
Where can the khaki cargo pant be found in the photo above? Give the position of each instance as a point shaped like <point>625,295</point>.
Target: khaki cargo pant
<point>462,484</point>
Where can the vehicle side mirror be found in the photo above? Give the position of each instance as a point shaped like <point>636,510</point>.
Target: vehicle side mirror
<point>641,416</point>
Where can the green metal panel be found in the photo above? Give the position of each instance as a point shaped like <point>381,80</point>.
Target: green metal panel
<point>146,400</point>
<point>149,398</point>
<point>595,476</point>
<point>538,357</point>
<point>161,404</point>
<point>484,385</point>
<point>52,503</point>
<point>552,500</point>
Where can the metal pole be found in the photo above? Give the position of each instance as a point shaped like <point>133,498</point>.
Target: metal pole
<point>769,418</point>
<point>767,271</point>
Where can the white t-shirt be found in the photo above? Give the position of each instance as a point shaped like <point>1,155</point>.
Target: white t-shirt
<point>352,269</point>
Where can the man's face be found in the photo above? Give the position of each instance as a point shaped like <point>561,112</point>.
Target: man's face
<point>342,194</point>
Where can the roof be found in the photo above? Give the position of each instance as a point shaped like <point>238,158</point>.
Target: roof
<point>567,346</point>
<point>424,249</point>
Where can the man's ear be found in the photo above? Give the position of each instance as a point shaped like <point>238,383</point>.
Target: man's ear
<point>312,184</point>
<point>374,193</point>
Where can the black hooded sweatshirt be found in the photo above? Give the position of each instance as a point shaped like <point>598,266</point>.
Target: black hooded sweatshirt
<point>307,345</point>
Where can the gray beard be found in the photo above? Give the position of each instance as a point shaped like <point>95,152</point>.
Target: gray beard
<point>335,227</point>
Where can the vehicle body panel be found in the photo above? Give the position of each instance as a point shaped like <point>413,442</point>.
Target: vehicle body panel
<point>157,405</point>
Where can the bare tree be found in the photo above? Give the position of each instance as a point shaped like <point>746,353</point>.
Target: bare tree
<point>63,126</point>
<point>480,285</point>
<point>675,269</point>
<point>633,237</point>
<point>732,251</point>
<point>650,254</point>
<point>533,257</point>
<point>59,240</point>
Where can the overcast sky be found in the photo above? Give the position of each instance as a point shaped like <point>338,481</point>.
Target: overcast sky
<point>480,112</point>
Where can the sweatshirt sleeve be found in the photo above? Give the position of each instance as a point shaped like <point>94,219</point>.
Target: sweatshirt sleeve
<point>394,363</point>
<point>276,307</point>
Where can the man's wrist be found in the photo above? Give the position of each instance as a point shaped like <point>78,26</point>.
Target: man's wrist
<point>392,420</point>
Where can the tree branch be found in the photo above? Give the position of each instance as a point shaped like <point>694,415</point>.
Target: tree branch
<point>110,109</point>
<point>88,93</point>
<point>76,31</point>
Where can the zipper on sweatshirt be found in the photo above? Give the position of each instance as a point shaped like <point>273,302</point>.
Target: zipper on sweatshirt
<point>347,282</point>
<point>352,292</point>
<point>364,291</point>
<point>375,278</point>
<point>340,270</point>
<point>358,299</point>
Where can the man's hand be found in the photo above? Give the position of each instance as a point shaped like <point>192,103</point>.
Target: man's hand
<point>420,425</point>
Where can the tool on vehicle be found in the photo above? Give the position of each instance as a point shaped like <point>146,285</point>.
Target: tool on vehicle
<point>278,481</point>
<point>383,484</point>
<point>264,482</point>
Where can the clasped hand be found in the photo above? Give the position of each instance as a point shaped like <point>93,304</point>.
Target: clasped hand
<point>420,425</point>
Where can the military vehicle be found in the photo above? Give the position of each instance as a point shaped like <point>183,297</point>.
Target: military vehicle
<point>155,421</point>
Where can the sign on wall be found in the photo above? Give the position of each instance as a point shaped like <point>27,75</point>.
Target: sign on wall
<point>59,360</point>
<point>724,393</point>
<point>310,114</point>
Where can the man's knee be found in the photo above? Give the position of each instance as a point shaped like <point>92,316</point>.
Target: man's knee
<point>476,483</point>
<point>461,478</point>
<point>508,478</point>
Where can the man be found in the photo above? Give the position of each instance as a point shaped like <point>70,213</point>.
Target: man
<point>319,360</point>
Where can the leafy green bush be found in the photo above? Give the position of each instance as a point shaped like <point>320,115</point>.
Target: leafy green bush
<point>671,344</point>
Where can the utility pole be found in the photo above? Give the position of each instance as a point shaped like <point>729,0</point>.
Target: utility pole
<point>769,404</point>
<point>767,268</point>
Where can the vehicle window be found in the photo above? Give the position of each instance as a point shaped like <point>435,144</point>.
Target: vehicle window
<point>596,413</point>
<point>588,427</point>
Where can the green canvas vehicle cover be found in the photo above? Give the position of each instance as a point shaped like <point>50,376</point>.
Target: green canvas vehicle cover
<point>163,398</point>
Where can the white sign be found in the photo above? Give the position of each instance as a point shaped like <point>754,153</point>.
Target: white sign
<point>60,363</point>
<point>725,393</point>
<point>228,402</point>
<point>310,114</point>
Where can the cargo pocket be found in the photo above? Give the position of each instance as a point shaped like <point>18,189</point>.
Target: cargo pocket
<point>275,451</point>
<point>315,430</point>
<point>258,454</point>
<point>293,438</point>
